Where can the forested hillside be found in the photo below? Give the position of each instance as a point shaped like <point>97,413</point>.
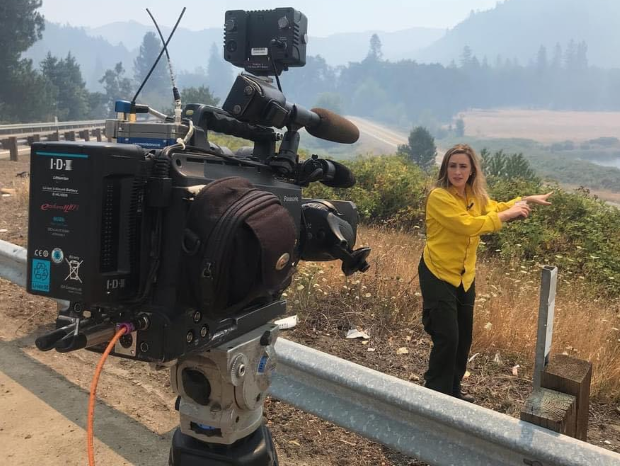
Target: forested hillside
<point>515,29</point>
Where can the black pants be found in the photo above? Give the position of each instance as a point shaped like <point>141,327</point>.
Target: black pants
<point>447,316</point>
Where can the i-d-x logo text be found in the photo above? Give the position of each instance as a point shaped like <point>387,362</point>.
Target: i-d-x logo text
<point>61,164</point>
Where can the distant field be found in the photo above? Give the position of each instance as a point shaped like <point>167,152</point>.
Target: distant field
<point>541,125</point>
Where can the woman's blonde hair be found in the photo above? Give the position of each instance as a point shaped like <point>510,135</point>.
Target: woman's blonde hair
<point>477,181</point>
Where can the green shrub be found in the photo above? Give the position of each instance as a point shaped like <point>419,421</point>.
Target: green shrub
<point>576,233</point>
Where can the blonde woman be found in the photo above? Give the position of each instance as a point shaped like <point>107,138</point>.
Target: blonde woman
<point>458,211</point>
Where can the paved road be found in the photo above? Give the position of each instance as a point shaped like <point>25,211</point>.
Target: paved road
<point>388,137</point>
<point>391,138</point>
<point>43,416</point>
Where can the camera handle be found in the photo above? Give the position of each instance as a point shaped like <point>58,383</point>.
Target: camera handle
<point>221,396</point>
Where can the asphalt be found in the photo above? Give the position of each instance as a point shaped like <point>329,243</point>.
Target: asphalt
<point>44,416</point>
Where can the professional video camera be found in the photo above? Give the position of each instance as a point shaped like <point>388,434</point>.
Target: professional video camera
<point>190,246</point>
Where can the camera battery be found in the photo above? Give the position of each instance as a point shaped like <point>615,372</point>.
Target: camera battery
<point>86,204</point>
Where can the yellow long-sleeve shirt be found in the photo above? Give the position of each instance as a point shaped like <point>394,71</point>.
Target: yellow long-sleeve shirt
<point>453,227</point>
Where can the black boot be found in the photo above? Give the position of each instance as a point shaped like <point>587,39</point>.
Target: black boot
<point>464,397</point>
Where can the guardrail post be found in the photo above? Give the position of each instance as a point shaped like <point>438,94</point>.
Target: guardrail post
<point>70,136</point>
<point>11,145</point>
<point>97,134</point>
<point>571,376</point>
<point>552,410</point>
<point>53,136</point>
<point>85,134</point>
<point>34,138</point>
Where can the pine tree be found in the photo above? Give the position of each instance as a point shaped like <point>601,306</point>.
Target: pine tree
<point>25,95</point>
<point>198,95</point>
<point>375,50</point>
<point>459,128</point>
<point>556,61</point>
<point>541,61</point>
<point>219,73</point>
<point>466,57</point>
<point>117,86</point>
<point>421,148</point>
<point>158,82</point>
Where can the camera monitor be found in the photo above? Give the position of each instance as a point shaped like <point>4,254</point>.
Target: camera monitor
<point>265,42</point>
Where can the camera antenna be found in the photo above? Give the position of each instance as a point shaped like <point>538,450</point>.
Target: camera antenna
<point>175,91</point>
<point>133,101</point>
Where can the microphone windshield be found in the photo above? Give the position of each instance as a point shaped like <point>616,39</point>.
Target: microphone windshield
<point>333,127</point>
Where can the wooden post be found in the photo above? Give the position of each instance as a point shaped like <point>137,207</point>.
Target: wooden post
<point>53,136</point>
<point>85,134</point>
<point>12,146</point>
<point>97,134</point>
<point>572,376</point>
<point>70,136</point>
<point>550,409</point>
<point>34,138</point>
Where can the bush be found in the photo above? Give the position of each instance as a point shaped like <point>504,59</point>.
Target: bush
<point>577,233</point>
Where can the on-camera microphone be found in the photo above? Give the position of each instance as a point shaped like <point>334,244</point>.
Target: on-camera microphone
<point>333,127</point>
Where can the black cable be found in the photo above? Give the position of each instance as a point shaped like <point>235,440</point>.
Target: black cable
<point>175,90</point>
<point>275,69</point>
<point>133,102</point>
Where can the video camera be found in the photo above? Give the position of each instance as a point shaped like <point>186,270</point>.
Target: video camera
<point>187,243</point>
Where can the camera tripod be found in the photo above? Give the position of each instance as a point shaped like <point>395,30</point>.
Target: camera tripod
<point>221,393</point>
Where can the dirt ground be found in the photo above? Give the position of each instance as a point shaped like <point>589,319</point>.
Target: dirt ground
<point>43,395</point>
<point>541,125</point>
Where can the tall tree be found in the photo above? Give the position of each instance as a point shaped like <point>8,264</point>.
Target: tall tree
<point>556,61</point>
<point>219,73</point>
<point>73,99</point>
<point>21,25</point>
<point>198,95</point>
<point>158,83</point>
<point>581,56</point>
<point>117,86</point>
<point>375,51</point>
<point>570,56</point>
<point>421,148</point>
<point>31,98</point>
<point>466,57</point>
<point>541,61</point>
<point>459,127</point>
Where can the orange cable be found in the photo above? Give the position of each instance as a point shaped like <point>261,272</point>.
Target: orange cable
<point>92,398</point>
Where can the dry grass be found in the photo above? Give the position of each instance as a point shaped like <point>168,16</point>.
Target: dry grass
<point>388,297</point>
<point>540,125</point>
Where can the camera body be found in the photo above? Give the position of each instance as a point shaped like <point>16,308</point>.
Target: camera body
<point>187,243</point>
<point>93,211</point>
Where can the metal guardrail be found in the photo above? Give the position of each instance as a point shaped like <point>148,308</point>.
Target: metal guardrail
<point>411,419</point>
<point>33,128</point>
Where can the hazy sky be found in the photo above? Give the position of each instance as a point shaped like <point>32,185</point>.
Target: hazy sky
<point>324,16</point>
